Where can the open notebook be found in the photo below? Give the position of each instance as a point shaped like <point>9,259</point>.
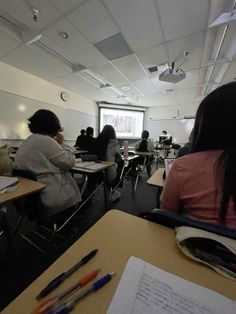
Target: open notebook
<point>146,289</point>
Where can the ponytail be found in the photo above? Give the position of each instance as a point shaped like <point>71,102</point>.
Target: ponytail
<point>227,163</point>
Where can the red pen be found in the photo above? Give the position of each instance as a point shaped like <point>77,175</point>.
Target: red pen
<point>51,302</point>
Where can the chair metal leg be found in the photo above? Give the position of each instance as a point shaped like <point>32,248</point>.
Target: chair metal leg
<point>6,230</point>
<point>84,185</point>
<point>52,236</point>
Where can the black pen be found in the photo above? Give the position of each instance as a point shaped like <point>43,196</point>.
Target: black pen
<point>59,279</point>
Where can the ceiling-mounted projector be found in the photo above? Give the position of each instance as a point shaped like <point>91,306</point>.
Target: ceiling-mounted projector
<point>172,75</point>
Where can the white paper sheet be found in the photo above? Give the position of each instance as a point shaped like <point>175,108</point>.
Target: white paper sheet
<point>6,182</point>
<point>146,289</point>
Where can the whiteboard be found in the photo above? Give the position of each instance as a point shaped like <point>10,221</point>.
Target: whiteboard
<point>179,129</point>
<point>15,110</point>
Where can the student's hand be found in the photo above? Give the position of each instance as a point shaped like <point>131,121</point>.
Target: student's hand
<point>59,138</point>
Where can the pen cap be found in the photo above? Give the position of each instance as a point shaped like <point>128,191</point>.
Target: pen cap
<point>101,282</point>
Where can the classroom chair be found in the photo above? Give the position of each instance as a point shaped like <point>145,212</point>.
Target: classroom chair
<point>6,232</point>
<point>47,231</point>
<point>172,220</point>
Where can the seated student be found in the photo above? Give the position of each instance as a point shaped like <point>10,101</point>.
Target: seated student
<point>80,139</point>
<point>165,138</point>
<point>89,139</point>
<point>186,149</point>
<point>202,185</point>
<point>44,154</point>
<point>107,148</point>
<point>145,145</point>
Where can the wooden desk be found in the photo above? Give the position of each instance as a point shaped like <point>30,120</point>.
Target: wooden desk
<point>142,153</point>
<point>106,164</point>
<point>118,236</point>
<point>157,178</point>
<point>24,188</point>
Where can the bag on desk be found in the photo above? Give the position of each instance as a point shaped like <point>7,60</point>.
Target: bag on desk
<point>216,251</point>
<point>5,161</point>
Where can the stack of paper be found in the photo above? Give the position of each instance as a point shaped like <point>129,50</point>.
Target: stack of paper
<point>147,289</point>
<point>91,165</point>
<point>7,183</point>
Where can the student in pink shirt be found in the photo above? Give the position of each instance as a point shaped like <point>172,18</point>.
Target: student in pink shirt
<point>202,185</point>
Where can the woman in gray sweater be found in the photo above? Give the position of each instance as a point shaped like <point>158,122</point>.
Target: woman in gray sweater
<point>44,154</point>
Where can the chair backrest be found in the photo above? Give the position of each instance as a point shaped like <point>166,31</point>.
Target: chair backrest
<point>172,220</point>
<point>31,205</point>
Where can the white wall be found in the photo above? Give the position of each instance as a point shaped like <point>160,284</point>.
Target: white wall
<point>15,82</point>
<point>171,119</point>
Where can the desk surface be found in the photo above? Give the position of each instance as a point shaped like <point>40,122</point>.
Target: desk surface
<point>118,236</point>
<point>157,178</point>
<point>24,187</point>
<point>142,153</point>
<point>106,164</point>
<point>130,157</point>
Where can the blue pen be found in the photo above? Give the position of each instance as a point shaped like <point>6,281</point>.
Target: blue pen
<point>66,307</point>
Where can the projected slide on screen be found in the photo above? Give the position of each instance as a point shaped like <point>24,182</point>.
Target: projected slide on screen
<point>127,123</point>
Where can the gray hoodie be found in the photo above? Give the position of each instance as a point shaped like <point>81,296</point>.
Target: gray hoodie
<point>50,162</point>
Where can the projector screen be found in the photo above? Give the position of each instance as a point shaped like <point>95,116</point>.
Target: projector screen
<point>127,123</point>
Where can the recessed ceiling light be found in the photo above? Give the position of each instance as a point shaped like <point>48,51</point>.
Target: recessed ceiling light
<point>125,88</point>
<point>64,35</point>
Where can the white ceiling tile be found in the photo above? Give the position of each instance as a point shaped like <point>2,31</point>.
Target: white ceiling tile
<point>190,81</point>
<point>231,73</point>
<point>22,10</point>
<point>162,86</point>
<point>184,95</point>
<point>193,44</point>
<point>37,62</point>
<point>146,87</point>
<point>110,73</point>
<point>9,44</point>
<point>153,56</point>
<point>67,5</point>
<point>93,20</point>
<point>228,50</point>
<point>75,83</point>
<point>130,67</point>
<point>138,22</point>
<point>183,17</point>
<point>76,45</point>
<point>130,90</point>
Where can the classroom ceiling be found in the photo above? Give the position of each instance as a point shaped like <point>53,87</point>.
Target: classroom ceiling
<point>111,44</point>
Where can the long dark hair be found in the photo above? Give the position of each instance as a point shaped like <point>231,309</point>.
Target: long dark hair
<point>143,143</point>
<point>215,128</point>
<point>102,141</point>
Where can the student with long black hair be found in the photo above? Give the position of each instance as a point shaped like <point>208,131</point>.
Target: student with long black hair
<point>202,185</point>
<point>145,145</point>
<point>107,148</point>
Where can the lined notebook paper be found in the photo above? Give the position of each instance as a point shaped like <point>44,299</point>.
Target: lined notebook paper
<point>7,183</point>
<point>147,289</point>
<point>90,165</point>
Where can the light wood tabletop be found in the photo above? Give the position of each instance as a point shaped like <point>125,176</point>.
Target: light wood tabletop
<point>23,188</point>
<point>143,153</point>
<point>118,236</point>
<point>157,178</point>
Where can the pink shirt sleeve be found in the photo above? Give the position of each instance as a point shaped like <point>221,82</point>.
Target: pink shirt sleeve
<point>170,198</point>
